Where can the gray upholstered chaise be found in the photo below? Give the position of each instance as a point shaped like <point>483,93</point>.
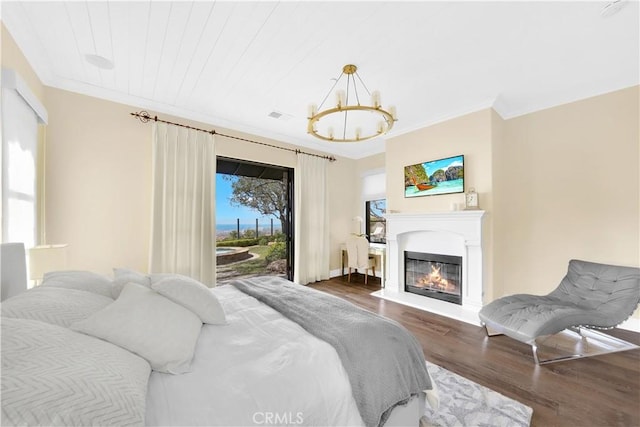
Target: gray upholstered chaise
<point>591,296</point>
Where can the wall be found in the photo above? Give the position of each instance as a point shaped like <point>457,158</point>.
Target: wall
<point>568,186</point>
<point>470,135</point>
<point>557,184</point>
<point>99,180</point>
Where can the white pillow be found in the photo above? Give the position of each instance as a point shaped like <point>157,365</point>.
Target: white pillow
<point>193,295</point>
<point>156,277</point>
<point>122,276</point>
<point>81,280</point>
<point>149,325</point>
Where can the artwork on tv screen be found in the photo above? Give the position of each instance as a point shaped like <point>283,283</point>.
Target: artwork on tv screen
<point>442,176</point>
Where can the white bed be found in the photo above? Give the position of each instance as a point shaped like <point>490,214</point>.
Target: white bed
<point>258,368</point>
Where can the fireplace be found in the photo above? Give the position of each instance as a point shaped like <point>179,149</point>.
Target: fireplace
<point>434,275</point>
<point>457,233</point>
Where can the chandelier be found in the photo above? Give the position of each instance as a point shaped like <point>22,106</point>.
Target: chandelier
<point>350,120</point>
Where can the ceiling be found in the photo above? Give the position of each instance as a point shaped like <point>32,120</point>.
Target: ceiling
<point>232,63</point>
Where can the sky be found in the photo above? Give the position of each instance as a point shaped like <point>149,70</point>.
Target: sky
<point>227,214</point>
<point>433,166</point>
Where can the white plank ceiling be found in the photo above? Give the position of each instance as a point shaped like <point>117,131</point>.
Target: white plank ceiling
<point>231,64</point>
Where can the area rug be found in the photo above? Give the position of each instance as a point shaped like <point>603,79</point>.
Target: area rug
<point>465,403</point>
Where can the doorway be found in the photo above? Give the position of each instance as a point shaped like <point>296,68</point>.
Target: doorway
<point>254,219</point>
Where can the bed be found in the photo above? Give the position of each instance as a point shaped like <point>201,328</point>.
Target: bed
<point>79,350</point>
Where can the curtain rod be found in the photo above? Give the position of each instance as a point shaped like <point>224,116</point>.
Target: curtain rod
<point>145,117</point>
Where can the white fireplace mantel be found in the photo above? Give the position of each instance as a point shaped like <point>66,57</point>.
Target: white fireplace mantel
<point>457,233</point>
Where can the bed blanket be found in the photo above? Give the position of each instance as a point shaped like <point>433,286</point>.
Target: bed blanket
<point>384,362</point>
<point>52,376</point>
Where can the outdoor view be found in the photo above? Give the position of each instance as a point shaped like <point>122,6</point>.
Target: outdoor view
<point>250,216</point>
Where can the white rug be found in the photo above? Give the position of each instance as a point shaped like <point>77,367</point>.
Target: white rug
<point>468,404</point>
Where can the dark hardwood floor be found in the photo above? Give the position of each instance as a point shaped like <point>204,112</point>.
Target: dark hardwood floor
<point>596,391</point>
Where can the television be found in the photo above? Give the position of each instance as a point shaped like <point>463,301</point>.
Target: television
<point>442,176</point>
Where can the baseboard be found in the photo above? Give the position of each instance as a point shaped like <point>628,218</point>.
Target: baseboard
<point>334,273</point>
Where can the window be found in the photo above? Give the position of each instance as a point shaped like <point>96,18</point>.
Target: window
<point>374,195</point>
<point>21,113</point>
<point>376,223</point>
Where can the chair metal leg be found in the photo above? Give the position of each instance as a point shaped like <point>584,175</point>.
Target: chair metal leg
<point>349,278</point>
<point>490,331</point>
<point>576,343</point>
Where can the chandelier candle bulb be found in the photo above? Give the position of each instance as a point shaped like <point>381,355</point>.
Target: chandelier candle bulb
<point>392,111</point>
<point>380,126</point>
<point>313,110</point>
<point>340,95</point>
<point>330,132</point>
<point>358,133</point>
<point>375,99</point>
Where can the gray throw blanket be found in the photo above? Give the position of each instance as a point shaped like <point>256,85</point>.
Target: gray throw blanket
<point>384,362</point>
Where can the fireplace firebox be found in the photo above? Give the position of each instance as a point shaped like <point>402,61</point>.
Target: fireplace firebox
<point>434,275</point>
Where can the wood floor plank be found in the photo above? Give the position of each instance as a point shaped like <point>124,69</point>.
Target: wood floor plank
<point>596,391</point>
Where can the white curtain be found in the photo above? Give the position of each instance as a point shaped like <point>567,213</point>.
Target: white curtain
<point>311,220</point>
<point>183,203</point>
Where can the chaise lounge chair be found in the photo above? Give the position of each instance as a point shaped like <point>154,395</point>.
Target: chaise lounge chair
<point>563,323</point>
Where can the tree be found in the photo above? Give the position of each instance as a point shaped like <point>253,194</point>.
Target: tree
<point>267,196</point>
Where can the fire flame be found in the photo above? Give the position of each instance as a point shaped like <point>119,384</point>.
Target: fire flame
<point>434,280</point>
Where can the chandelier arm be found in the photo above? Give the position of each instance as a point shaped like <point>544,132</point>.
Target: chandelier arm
<point>355,90</point>
<point>330,90</point>
<point>346,100</point>
<point>362,81</point>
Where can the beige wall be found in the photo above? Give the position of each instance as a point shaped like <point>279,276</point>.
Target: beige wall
<point>99,187</point>
<point>470,135</point>
<point>98,182</point>
<point>568,185</point>
<point>556,184</point>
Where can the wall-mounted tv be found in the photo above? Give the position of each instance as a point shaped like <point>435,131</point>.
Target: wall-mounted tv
<point>443,176</point>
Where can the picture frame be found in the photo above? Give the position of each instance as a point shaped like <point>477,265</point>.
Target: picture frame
<point>434,177</point>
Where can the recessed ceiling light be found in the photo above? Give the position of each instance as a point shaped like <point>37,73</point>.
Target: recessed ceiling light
<point>99,61</point>
<point>612,8</point>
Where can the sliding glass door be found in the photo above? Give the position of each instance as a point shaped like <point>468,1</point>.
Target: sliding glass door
<point>254,219</point>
